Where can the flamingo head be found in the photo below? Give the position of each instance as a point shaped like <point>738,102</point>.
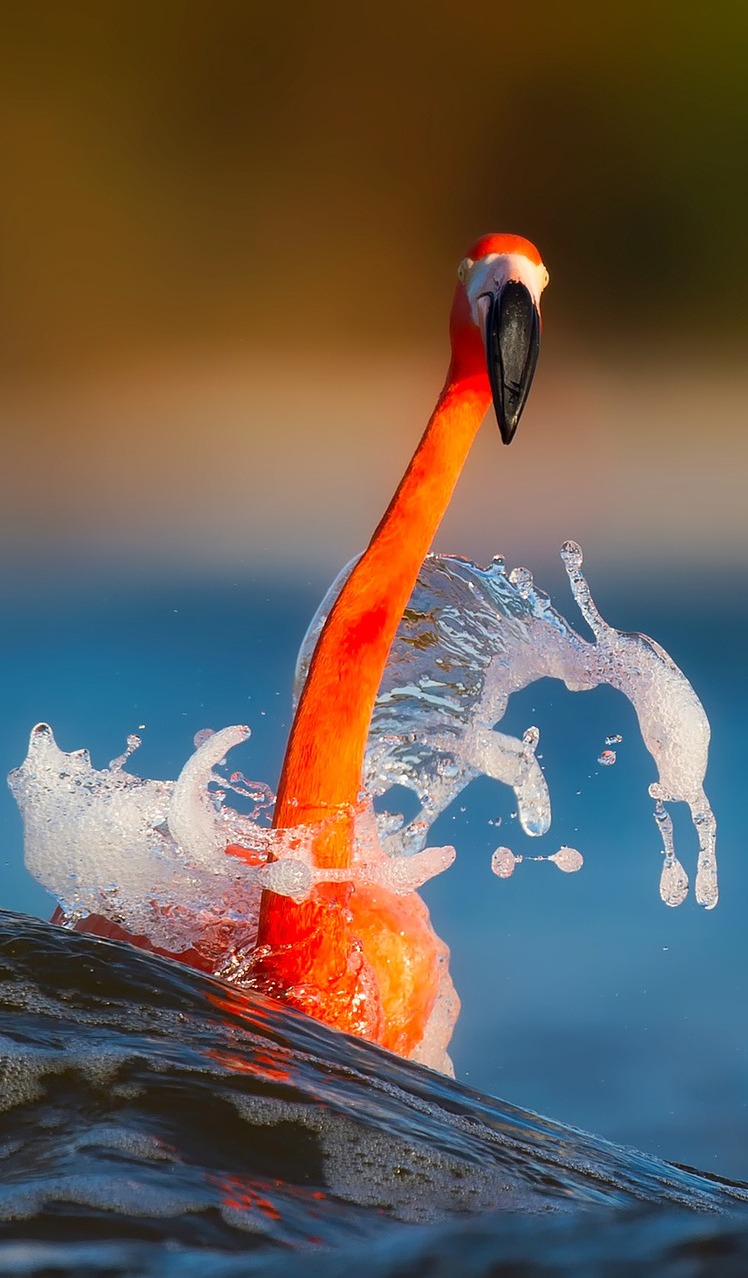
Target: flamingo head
<point>495,324</point>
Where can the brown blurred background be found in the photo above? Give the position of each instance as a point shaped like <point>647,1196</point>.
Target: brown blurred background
<point>229,236</point>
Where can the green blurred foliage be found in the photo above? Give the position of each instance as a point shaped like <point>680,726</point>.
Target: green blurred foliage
<point>312,172</point>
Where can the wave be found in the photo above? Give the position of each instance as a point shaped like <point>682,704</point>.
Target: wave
<point>158,1121</point>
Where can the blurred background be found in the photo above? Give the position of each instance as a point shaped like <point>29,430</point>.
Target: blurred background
<point>230,234</point>
<point>229,241</point>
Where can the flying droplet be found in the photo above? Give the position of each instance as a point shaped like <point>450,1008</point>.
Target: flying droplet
<point>568,860</point>
<point>571,553</point>
<point>673,882</point>
<point>503,862</point>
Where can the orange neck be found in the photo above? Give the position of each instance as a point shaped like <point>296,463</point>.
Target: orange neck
<point>324,758</point>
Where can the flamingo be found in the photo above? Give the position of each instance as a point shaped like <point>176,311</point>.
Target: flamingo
<point>364,959</point>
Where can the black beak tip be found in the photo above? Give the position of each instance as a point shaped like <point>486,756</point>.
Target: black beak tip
<point>508,429</point>
<point>512,346</point>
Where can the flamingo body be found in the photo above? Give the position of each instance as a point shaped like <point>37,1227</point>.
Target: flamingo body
<point>362,959</point>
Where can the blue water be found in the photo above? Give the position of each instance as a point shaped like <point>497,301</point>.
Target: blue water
<point>584,997</point>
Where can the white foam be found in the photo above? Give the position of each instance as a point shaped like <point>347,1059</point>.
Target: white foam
<point>151,855</point>
<point>148,855</point>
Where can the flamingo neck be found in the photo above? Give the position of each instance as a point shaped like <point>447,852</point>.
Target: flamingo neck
<point>324,759</point>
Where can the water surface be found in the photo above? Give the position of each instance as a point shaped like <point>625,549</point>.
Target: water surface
<point>584,997</point>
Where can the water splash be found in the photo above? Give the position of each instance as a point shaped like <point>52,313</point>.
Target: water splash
<point>147,855</point>
<point>672,720</point>
<point>150,856</point>
<point>472,636</point>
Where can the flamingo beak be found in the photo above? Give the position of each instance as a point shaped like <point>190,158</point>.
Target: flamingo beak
<point>512,345</point>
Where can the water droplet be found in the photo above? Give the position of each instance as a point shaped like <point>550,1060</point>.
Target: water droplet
<point>522,579</point>
<point>673,882</point>
<point>568,860</point>
<point>131,744</point>
<point>571,553</point>
<point>503,862</point>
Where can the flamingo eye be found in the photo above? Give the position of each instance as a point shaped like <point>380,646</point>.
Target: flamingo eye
<point>463,269</point>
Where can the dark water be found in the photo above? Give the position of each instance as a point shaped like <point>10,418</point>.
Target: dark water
<point>157,1122</point>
